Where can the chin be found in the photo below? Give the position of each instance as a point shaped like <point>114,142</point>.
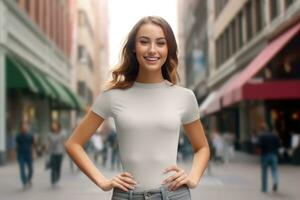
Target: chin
<point>151,67</point>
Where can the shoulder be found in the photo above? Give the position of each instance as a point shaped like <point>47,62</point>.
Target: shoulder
<point>109,93</point>
<point>184,92</point>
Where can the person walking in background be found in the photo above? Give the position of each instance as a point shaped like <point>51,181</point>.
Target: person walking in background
<point>55,149</point>
<point>25,150</point>
<point>228,138</point>
<point>269,145</point>
<point>218,144</point>
<point>104,131</point>
<point>113,143</point>
<point>97,142</point>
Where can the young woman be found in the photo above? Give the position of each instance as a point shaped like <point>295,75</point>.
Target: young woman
<point>148,109</point>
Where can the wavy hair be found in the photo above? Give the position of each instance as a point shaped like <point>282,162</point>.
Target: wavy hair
<point>125,73</point>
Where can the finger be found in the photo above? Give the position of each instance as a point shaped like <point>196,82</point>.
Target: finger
<point>180,181</point>
<point>118,185</point>
<point>173,177</point>
<point>173,182</point>
<point>171,168</point>
<point>126,174</point>
<point>124,184</point>
<point>128,180</point>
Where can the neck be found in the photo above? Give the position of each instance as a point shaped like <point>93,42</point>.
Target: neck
<point>149,77</point>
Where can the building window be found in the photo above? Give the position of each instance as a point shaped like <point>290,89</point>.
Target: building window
<point>223,49</point>
<point>288,3</point>
<point>233,36</point>
<point>219,6</point>
<point>81,88</point>
<point>249,20</point>
<point>218,51</point>
<point>27,5</point>
<point>84,57</point>
<point>226,45</point>
<point>36,12</point>
<point>260,16</point>
<point>84,22</point>
<point>230,40</point>
<point>240,30</point>
<point>85,92</point>
<point>274,9</point>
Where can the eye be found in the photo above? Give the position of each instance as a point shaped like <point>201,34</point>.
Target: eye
<point>143,41</point>
<point>162,43</point>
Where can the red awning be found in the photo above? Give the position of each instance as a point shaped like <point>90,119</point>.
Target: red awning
<point>235,92</point>
<point>203,108</point>
<point>273,90</point>
<point>212,103</point>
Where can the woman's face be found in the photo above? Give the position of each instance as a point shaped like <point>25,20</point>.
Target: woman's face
<point>151,47</point>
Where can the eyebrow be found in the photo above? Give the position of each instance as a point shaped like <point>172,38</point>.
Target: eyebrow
<point>145,37</point>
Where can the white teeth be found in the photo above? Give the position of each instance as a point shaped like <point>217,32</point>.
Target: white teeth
<point>151,58</point>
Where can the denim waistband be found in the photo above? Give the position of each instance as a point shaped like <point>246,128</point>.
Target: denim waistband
<point>145,194</point>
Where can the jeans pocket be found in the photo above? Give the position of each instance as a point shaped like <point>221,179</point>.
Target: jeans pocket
<point>119,197</point>
<point>182,194</point>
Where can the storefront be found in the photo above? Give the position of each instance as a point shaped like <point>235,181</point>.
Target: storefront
<point>36,98</point>
<point>266,90</point>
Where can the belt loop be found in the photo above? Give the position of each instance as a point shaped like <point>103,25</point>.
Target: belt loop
<point>130,194</point>
<point>163,193</point>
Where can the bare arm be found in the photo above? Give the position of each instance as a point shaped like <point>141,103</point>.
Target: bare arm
<point>195,133</point>
<point>196,136</point>
<point>74,147</point>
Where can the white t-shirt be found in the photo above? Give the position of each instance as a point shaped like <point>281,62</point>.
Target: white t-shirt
<point>148,117</point>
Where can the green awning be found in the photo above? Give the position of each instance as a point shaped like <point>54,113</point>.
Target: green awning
<point>80,104</point>
<point>41,83</point>
<point>24,78</point>
<point>59,91</point>
<point>17,77</point>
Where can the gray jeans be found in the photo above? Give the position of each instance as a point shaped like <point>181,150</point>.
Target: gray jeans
<point>161,193</point>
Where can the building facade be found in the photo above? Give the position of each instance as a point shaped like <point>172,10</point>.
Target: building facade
<point>253,73</point>
<point>193,46</point>
<point>35,68</point>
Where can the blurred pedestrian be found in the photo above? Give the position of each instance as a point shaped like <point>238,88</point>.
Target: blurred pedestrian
<point>218,144</point>
<point>97,142</point>
<point>148,109</point>
<point>25,154</point>
<point>228,138</point>
<point>269,145</point>
<point>55,149</point>
<point>254,142</point>
<point>212,154</point>
<point>113,143</point>
<point>104,131</point>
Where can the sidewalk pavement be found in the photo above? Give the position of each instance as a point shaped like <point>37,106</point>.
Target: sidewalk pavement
<point>239,179</point>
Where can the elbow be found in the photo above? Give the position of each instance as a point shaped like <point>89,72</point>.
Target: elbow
<point>208,152</point>
<point>67,146</point>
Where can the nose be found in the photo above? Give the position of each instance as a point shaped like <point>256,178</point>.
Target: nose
<point>152,48</point>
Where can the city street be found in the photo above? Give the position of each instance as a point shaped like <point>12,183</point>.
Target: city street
<point>236,180</point>
<point>138,77</point>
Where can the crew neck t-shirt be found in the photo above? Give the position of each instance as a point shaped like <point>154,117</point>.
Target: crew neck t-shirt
<point>148,117</point>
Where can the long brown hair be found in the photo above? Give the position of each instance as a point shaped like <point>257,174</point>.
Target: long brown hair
<point>124,75</point>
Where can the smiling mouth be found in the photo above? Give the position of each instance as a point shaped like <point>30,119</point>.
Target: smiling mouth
<point>151,59</point>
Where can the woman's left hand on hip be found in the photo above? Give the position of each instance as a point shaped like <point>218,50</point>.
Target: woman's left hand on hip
<point>178,179</point>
